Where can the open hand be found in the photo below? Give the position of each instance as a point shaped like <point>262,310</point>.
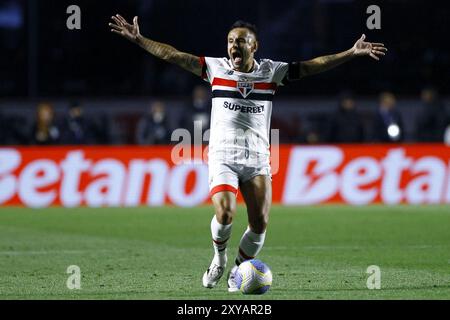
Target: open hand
<point>126,30</point>
<point>374,50</point>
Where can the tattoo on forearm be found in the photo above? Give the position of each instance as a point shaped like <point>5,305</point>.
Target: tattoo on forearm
<point>323,63</point>
<point>172,55</point>
<point>188,62</point>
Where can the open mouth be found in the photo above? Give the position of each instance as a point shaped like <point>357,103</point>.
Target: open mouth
<point>236,57</point>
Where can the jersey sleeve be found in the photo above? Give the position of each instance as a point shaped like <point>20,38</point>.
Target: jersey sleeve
<point>209,65</point>
<point>280,72</point>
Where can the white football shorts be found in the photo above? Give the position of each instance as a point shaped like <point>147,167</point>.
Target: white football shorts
<point>227,177</point>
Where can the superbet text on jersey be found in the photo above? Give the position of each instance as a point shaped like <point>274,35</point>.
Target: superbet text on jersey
<point>240,117</point>
<point>241,107</point>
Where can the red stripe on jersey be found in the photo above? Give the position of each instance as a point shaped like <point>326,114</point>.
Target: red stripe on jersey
<point>233,84</point>
<point>223,187</point>
<point>265,86</point>
<point>224,83</point>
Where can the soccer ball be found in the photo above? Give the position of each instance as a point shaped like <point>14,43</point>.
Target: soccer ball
<point>253,277</point>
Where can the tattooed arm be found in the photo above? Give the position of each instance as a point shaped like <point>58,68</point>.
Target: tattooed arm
<point>163,51</point>
<point>321,64</point>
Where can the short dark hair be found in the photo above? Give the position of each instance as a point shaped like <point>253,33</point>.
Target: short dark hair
<point>245,24</point>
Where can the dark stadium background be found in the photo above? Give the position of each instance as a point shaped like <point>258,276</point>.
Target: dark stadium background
<point>42,58</point>
<point>115,81</point>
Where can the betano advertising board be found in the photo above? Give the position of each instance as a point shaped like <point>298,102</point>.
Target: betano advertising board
<point>131,176</point>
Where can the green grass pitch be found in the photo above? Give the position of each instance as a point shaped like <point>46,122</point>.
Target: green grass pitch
<point>161,253</point>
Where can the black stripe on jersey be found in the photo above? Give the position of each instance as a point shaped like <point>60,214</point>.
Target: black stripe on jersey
<point>237,95</point>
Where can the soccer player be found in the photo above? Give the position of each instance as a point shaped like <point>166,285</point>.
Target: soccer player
<point>242,90</point>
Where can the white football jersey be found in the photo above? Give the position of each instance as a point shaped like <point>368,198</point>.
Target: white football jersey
<point>241,109</point>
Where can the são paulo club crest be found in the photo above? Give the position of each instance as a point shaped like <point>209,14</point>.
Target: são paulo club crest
<point>245,87</point>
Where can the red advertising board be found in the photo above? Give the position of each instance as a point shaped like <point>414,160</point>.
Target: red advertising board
<point>134,176</point>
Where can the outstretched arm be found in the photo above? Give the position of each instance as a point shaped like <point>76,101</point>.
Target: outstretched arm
<point>163,51</point>
<point>321,64</point>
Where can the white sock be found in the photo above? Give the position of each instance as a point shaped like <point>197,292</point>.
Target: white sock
<point>250,245</point>
<point>220,235</point>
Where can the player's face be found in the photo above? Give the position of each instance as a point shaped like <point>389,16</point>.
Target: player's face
<point>242,46</point>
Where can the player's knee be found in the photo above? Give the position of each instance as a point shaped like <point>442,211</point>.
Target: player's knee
<point>225,214</point>
<point>258,221</point>
<point>259,226</point>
